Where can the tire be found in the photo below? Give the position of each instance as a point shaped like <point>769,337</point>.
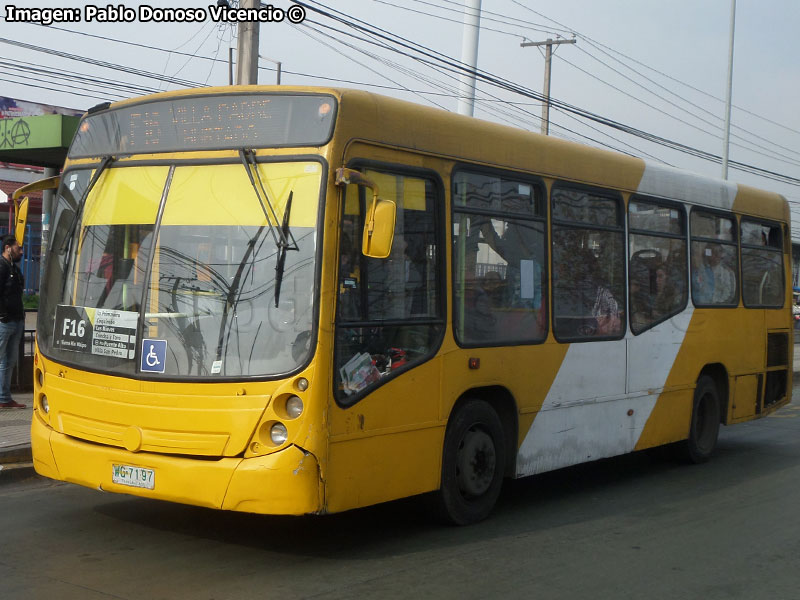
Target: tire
<point>473,462</point>
<point>704,428</point>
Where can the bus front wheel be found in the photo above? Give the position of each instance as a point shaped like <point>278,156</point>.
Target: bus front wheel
<point>704,428</point>
<point>473,462</point>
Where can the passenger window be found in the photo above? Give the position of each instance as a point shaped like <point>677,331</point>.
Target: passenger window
<point>714,260</point>
<point>762,264</point>
<point>389,312</point>
<point>657,266</point>
<point>588,265</point>
<point>500,284</point>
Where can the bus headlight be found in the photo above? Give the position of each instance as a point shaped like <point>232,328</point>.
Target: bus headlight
<point>278,434</point>
<point>294,407</point>
<point>44,404</point>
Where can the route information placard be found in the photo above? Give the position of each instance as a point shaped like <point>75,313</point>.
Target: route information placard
<point>96,331</point>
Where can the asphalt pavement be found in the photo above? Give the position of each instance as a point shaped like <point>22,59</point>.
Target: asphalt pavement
<point>15,433</point>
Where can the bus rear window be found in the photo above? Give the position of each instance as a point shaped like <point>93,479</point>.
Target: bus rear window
<point>207,123</point>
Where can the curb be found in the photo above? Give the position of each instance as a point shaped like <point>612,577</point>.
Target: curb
<point>16,464</point>
<point>18,471</point>
<point>20,453</point>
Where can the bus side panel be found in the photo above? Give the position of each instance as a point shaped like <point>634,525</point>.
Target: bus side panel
<point>381,467</point>
<point>388,444</point>
<point>527,374</point>
<point>731,338</point>
<point>652,356</point>
<point>586,414</point>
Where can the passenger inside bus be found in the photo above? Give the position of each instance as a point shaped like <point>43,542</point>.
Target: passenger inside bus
<point>585,305</point>
<point>676,274</point>
<point>713,280</point>
<point>480,323</point>
<point>520,247</point>
<point>653,294</point>
<point>724,279</point>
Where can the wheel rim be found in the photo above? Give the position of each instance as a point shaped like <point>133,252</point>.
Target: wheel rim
<point>476,463</point>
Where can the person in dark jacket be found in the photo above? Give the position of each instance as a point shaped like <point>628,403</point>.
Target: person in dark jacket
<point>12,316</point>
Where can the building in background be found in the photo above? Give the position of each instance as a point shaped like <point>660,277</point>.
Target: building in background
<point>34,139</point>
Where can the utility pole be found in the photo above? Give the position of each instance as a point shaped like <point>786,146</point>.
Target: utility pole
<point>247,55</point>
<point>548,57</point>
<point>469,57</point>
<point>726,141</point>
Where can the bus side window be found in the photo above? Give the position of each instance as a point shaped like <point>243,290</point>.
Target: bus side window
<point>657,279</point>
<point>715,263</point>
<point>499,270</point>
<point>588,264</point>
<point>762,264</point>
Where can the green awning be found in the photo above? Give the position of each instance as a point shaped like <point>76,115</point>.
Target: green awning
<point>41,141</point>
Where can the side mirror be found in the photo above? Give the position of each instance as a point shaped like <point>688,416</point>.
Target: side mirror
<point>21,206</point>
<point>20,220</point>
<point>379,229</point>
<point>380,218</point>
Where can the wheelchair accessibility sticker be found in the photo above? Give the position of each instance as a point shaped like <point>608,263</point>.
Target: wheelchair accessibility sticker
<point>154,355</point>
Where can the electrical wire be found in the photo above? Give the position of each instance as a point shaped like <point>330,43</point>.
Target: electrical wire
<point>430,58</point>
<point>92,79</point>
<point>429,54</point>
<point>100,63</point>
<point>671,78</point>
<point>769,152</point>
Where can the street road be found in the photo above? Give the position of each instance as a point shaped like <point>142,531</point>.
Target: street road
<point>631,527</point>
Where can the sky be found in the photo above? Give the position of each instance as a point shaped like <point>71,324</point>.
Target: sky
<point>659,67</point>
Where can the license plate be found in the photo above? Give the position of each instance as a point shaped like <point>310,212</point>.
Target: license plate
<point>133,476</point>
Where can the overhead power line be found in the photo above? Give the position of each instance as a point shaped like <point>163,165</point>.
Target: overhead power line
<point>433,59</point>
<point>768,151</point>
<point>101,63</point>
<point>424,54</point>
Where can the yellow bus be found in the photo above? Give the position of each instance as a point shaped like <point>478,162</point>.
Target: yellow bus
<point>291,300</point>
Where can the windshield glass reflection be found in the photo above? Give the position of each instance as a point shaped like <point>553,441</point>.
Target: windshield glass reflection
<point>199,289</point>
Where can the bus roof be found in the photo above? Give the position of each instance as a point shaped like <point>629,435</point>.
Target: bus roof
<point>372,117</point>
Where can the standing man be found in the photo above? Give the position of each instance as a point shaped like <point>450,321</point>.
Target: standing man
<point>12,316</point>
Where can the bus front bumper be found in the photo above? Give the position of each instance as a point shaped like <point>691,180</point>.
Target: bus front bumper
<point>282,483</point>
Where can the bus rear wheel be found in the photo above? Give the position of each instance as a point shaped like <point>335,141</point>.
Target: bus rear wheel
<point>704,429</point>
<point>473,462</point>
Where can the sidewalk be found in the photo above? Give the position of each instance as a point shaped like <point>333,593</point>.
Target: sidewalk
<point>15,439</point>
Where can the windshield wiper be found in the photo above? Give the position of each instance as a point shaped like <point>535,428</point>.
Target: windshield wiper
<point>282,235</point>
<point>282,249</point>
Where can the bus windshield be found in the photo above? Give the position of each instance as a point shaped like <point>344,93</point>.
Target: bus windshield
<point>170,270</point>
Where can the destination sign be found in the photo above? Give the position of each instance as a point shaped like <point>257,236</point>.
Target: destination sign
<point>218,122</point>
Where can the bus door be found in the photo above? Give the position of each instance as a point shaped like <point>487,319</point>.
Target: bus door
<point>389,325</point>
